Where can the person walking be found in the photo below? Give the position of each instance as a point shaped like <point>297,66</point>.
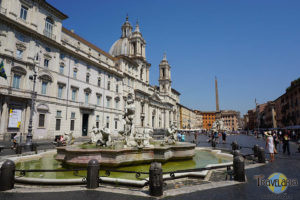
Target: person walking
<point>270,145</point>
<point>276,140</point>
<point>286,143</point>
<point>224,137</point>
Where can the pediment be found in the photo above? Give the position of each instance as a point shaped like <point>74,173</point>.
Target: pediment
<point>155,97</point>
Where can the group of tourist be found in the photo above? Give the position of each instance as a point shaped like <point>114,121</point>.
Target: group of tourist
<point>214,136</point>
<point>274,140</point>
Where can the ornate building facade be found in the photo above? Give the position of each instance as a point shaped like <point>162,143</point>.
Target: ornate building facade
<point>78,85</point>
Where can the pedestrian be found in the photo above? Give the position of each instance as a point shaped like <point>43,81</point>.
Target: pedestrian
<point>286,143</point>
<point>16,140</point>
<point>224,137</point>
<point>179,136</point>
<point>196,137</point>
<point>276,140</point>
<point>270,145</point>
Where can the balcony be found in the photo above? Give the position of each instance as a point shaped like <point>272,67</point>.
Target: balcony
<point>3,11</point>
<point>49,34</point>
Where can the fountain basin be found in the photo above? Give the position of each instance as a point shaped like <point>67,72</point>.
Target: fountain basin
<point>204,157</point>
<point>76,156</point>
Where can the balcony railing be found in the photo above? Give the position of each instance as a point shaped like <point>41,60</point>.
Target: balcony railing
<point>3,11</point>
<point>49,34</point>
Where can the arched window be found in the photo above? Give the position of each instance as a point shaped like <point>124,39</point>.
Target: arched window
<point>48,27</point>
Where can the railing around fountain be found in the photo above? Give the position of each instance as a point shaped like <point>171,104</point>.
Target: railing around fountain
<point>156,175</point>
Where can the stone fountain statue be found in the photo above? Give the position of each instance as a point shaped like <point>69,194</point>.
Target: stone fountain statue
<point>103,137</point>
<point>69,138</point>
<point>133,138</point>
<point>171,135</point>
<point>218,125</point>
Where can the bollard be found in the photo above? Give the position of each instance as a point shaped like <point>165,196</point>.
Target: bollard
<point>234,146</point>
<point>93,174</point>
<point>155,179</point>
<point>236,153</point>
<point>34,147</point>
<point>213,143</point>
<point>239,168</point>
<point>7,175</point>
<point>261,155</point>
<point>18,149</point>
<point>255,150</point>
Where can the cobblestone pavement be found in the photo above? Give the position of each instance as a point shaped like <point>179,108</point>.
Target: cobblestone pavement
<point>288,165</point>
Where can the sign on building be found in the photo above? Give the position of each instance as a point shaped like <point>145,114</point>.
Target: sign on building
<point>15,116</point>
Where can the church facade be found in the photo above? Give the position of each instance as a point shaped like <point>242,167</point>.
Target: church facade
<point>78,85</point>
<point>156,106</point>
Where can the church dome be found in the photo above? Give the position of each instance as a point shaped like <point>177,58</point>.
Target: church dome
<point>120,47</point>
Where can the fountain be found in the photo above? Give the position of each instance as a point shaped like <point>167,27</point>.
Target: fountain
<point>128,147</point>
<point>129,150</point>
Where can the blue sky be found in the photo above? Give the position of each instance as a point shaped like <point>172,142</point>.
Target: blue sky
<point>253,47</point>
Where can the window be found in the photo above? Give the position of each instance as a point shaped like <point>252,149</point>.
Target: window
<point>60,91</point>
<point>86,98</point>
<point>116,104</point>
<point>58,113</point>
<point>98,99</point>
<point>44,87</point>
<point>57,126</point>
<point>19,54</point>
<point>16,81</point>
<point>74,94</point>
<point>20,37</point>
<point>48,49</point>
<point>23,12</point>
<point>46,63</point>
<point>72,115</point>
<point>152,121</point>
<point>107,122</point>
<point>108,102</point>
<point>97,121</point>
<point>117,88</point>
<point>141,75</point>
<point>61,56</point>
<point>116,124</point>
<point>75,73</point>
<point>72,125</point>
<point>41,120</point>
<point>99,82</point>
<point>76,61</point>
<point>61,69</point>
<point>87,78</point>
<point>48,27</point>
<point>108,85</point>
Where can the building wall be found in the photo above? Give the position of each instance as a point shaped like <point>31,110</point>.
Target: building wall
<point>188,118</point>
<point>230,119</point>
<point>287,106</point>
<point>109,78</point>
<point>208,119</point>
<point>199,119</point>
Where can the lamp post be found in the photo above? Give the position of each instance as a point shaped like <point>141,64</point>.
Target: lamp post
<point>28,144</point>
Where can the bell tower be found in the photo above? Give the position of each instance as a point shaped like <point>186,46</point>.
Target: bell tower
<point>126,29</point>
<point>138,43</point>
<point>164,76</point>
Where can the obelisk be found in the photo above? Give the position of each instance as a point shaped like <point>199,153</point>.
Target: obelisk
<point>218,113</point>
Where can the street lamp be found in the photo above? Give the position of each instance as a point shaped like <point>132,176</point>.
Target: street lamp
<point>28,144</point>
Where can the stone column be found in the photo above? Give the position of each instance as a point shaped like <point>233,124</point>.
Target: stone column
<point>4,117</point>
<point>147,74</point>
